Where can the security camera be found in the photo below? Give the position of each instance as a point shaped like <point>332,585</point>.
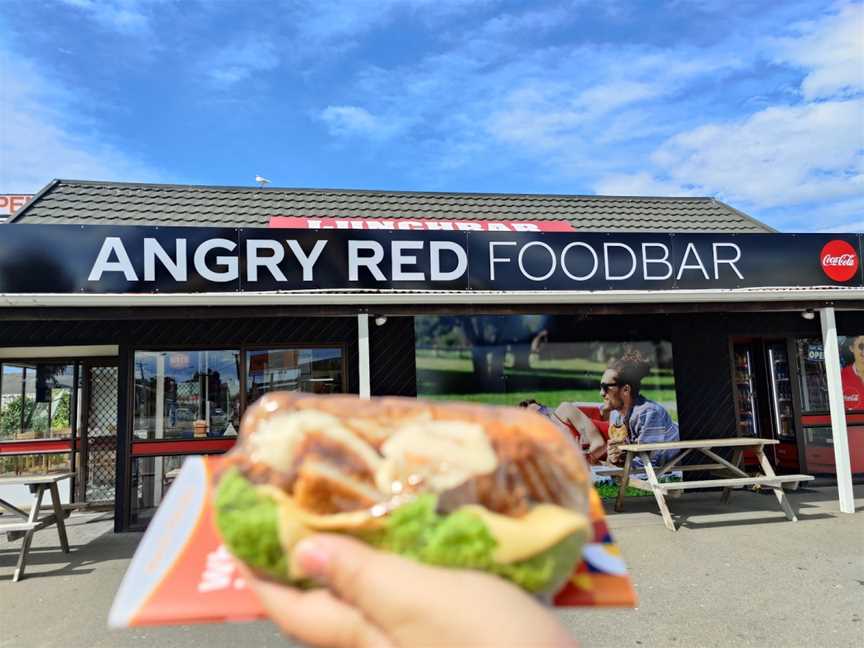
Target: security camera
<point>381,320</point>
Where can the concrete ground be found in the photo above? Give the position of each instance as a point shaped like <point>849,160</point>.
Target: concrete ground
<point>732,576</point>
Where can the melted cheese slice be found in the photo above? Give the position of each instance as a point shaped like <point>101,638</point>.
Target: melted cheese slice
<point>520,538</point>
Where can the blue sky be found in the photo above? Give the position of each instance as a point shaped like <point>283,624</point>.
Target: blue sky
<point>760,103</point>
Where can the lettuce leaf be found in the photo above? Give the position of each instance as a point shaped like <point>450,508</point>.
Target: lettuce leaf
<point>248,523</point>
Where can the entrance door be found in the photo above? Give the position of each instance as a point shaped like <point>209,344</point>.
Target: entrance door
<point>98,432</point>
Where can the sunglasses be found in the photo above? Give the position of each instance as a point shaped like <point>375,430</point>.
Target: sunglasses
<point>604,387</point>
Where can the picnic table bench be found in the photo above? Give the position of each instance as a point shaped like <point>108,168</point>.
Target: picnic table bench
<point>732,475</point>
<point>30,523</point>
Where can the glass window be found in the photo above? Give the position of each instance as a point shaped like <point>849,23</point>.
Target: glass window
<point>35,464</point>
<point>814,385</point>
<point>316,370</point>
<point>36,401</point>
<point>151,479</point>
<point>186,394</point>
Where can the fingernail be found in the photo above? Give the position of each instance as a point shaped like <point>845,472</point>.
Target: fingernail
<point>309,559</point>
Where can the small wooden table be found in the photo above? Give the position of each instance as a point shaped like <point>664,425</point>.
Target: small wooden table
<point>739,478</point>
<point>32,522</point>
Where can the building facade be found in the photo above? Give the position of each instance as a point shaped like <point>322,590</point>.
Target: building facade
<point>139,321</point>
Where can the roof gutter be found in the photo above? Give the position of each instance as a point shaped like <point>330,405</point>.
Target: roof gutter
<point>354,297</point>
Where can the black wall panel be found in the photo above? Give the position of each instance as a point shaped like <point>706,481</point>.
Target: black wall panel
<point>391,347</point>
<point>703,381</point>
<point>850,322</point>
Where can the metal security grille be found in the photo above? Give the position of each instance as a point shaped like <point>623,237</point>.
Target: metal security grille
<point>100,444</point>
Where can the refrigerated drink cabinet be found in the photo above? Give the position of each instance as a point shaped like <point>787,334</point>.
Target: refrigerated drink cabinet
<point>764,401</point>
<point>781,391</point>
<point>745,397</point>
<point>817,437</point>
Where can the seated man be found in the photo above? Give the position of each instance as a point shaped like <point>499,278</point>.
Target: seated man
<point>645,421</point>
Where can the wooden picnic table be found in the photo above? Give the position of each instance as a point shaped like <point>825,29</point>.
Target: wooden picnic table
<point>732,475</point>
<point>31,522</point>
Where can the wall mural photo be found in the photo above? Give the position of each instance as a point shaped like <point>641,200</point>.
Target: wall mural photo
<point>602,392</point>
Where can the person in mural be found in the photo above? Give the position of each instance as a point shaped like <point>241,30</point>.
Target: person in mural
<point>632,417</point>
<point>570,418</point>
<point>852,375</point>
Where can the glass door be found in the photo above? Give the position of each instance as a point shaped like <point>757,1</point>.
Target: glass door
<point>818,436</point>
<point>781,392</point>
<point>744,394</point>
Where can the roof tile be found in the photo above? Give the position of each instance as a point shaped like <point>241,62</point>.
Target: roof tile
<point>107,203</point>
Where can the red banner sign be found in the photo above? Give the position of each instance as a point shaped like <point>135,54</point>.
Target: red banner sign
<point>11,203</point>
<point>297,222</point>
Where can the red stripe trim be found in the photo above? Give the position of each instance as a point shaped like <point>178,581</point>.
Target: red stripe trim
<point>816,420</point>
<point>153,448</point>
<point>37,446</point>
<point>825,419</point>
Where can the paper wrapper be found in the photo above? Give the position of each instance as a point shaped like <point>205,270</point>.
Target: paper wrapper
<point>182,574</point>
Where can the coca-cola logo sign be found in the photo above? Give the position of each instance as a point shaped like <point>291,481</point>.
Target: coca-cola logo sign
<point>839,260</point>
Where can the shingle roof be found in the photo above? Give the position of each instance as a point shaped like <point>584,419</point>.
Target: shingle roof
<point>112,203</point>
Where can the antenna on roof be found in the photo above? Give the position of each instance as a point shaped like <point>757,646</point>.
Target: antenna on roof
<point>262,181</point>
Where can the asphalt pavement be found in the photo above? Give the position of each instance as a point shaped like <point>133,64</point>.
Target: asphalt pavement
<point>736,575</point>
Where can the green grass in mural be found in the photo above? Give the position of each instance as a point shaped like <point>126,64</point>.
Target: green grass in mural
<point>444,364</point>
<point>461,361</point>
<point>577,368</point>
<point>447,375</point>
<point>610,491</point>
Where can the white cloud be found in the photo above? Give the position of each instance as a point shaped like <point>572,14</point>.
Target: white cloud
<point>804,157</point>
<point>855,227</point>
<point>337,23</point>
<point>640,184</point>
<point>124,16</point>
<point>831,50</point>
<point>45,134</point>
<point>240,60</point>
<point>552,115</point>
<point>843,215</point>
<point>782,155</point>
<point>354,120</point>
<point>538,20</point>
<point>720,118</point>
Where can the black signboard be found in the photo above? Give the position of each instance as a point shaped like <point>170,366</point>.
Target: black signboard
<point>39,259</point>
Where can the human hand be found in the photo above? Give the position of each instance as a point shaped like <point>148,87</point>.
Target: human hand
<point>383,600</point>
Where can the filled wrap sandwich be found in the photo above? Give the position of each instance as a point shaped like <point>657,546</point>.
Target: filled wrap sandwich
<point>460,485</point>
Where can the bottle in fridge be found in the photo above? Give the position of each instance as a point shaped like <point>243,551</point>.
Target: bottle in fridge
<point>783,412</point>
<point>745,395</point>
